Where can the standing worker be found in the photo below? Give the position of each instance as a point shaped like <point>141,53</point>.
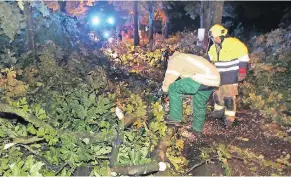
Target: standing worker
<point>198,78</point>
<point>230,57</point>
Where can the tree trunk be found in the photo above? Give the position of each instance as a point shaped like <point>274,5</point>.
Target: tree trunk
<point>135,35</point>
<point>136,169</point>
<point>30,31</point>
<point>151,20</point>
<point>210,14</point>
<point>167,24</point>
<point>62,5</point>
<point>218,7</point>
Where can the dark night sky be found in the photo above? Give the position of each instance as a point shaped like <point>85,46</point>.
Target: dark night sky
<point>263,15</point>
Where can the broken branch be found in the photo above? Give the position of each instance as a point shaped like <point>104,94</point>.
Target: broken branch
<point>93,137</point>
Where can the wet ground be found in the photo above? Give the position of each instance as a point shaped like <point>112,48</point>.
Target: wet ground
<point>254,143</point>
<point>251,134</point>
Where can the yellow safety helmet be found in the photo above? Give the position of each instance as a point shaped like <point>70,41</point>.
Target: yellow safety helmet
<point>217,30</point>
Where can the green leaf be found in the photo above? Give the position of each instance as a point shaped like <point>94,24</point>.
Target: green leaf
<point>80,111</point>
<point>20,4</point>
<point>31,129</point>
<point>92,98</point>
<point>41,132</point>
<point>16,169</point>
<point>86,140</point>
<point>43,9</point>
<point>129,108</point>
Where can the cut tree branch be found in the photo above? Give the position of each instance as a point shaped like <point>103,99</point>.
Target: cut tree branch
<point>93,137</point>
<point>26,140</point>
<point>136,169</point>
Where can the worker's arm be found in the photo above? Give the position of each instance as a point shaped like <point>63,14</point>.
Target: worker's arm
<point>243,63</point>
<point>171,76</point>
<point>210,54</point>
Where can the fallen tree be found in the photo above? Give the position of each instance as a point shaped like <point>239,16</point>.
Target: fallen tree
<point>156,165</point>
<point>93,137</point>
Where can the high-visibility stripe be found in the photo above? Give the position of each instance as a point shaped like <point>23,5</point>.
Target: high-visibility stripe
<point>205,79</point>
<point>210,57</point>
<point>218,107</point>
<point>173,72</point>
<point>228,69</point>
<point>229,113</point>
<point>227,63</point>
<point>244,58</point>
<point>198,64</point>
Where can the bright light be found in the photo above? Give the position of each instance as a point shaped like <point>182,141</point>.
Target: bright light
<point>110,39</point>
<point>106,34</point>
<point>110,20</point>
<point>95,20</point>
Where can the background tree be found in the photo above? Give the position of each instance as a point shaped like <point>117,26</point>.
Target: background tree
<point>30,30</point>
<point>149,6</point>
<point>169,12</point>
<point>135,34</point>
<point>130,6</point>
<point>210,14</point>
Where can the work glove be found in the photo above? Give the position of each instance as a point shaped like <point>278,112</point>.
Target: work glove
<point>163,95</point>
<point>241,74</point>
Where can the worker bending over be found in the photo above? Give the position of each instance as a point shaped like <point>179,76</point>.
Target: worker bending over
<point>198,78</point>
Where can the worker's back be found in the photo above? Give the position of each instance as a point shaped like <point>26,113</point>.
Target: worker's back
<point>196,67</point>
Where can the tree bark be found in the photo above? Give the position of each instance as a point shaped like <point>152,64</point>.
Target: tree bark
<point>62,5</point>
<point>159,154</point>
<point>210,14</point>
<point>218,7</point>
<point>30,31</point>
<point>151,20</point>
<point>135,35</point>
<point>136,169</point>
<point>117,144</point>
<point>167,24</point>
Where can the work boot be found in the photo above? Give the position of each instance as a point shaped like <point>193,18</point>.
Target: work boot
<point>217,114</point>
<point>172,122</point>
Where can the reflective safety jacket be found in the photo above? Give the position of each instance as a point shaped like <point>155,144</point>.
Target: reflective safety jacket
<point>187,65</point>
<point>232,57</point>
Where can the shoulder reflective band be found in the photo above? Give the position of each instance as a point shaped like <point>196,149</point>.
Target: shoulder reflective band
<point>173,72</point>
<point>228,63</point>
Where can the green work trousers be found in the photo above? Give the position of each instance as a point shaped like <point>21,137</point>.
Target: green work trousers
<point>188,86</point>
